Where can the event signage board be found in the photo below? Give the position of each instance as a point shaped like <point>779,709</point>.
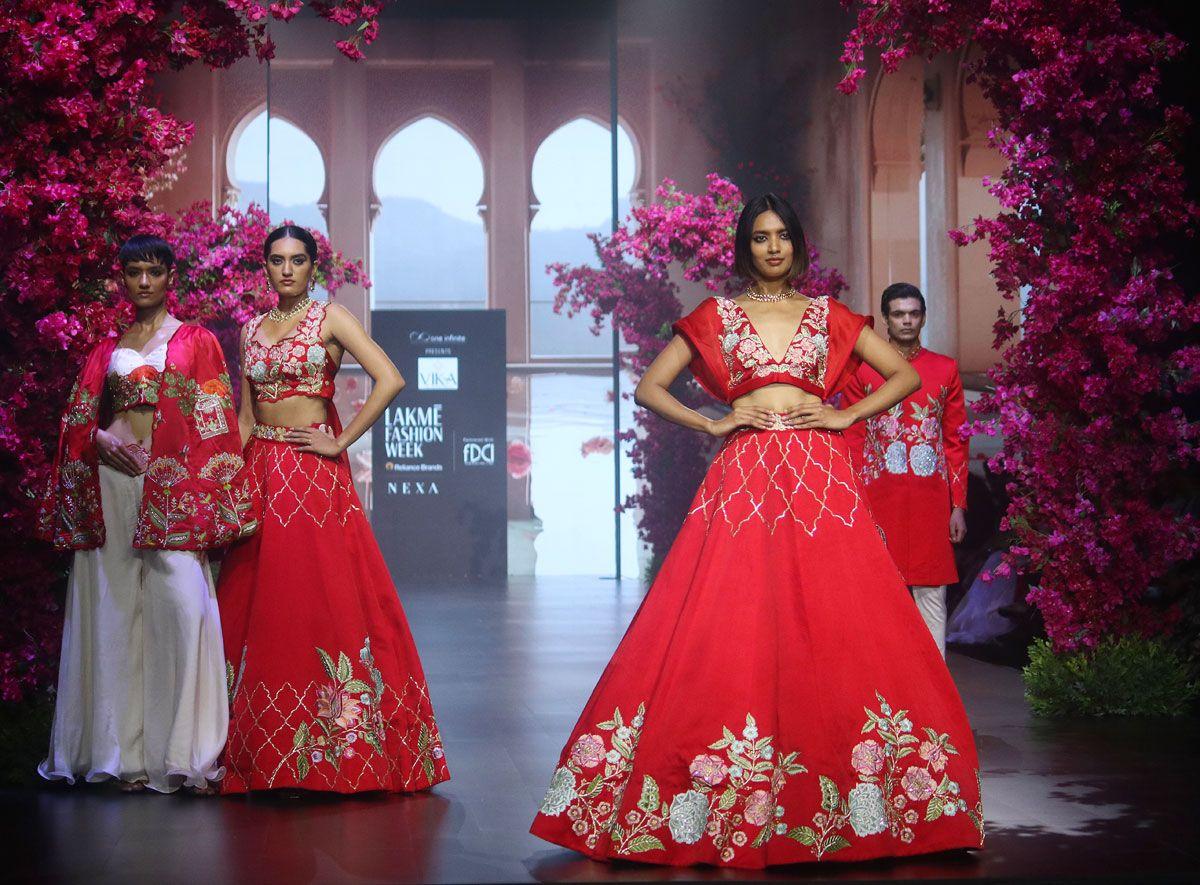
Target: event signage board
<point>438,452</point>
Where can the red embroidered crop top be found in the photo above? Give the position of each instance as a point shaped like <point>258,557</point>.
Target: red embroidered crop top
<point>298,365</point>
<point>133,379</point>
<point>731,359</point>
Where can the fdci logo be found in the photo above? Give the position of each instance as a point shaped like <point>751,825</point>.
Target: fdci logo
<point>479,451</point>
<point>437,373</point>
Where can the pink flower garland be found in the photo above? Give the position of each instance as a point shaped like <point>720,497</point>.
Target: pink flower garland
<point>1087,392</point>
<point>632,286</point>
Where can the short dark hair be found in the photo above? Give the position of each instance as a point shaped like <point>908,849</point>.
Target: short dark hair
<point>295,232</point>
<point>896,291</point>
<point>146,247</point>
<point>743,258</point>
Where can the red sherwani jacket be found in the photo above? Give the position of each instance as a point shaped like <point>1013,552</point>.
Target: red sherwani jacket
<point>193,497</point>
<point>913,464</point>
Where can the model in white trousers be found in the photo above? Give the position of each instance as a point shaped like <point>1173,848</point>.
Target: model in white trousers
<point>141,683</point>
<point>931,603</point>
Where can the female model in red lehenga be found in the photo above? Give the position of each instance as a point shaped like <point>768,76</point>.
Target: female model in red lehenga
<point>326,688</point>
<point>777,698</point>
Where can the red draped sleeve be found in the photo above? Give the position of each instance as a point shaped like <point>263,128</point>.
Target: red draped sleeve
<point>844,328</point>
<point>702,330</point>
<point>195,495</point>
<point>69,514</point>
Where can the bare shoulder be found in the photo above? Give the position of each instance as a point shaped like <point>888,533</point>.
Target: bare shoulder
<point>340,315</point>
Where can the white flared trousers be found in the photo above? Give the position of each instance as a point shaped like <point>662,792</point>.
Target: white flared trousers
<point>931,603</point>
<point>141,682</point>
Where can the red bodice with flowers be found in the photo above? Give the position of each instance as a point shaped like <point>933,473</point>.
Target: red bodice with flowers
<point>193,497</point>
<point>731,359</point>
<point>912,460</point>
<point>298,365</point>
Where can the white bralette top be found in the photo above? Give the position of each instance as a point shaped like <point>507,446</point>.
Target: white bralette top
<point>125,360</point>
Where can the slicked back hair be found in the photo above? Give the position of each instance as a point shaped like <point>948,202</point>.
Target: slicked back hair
<point>294,232</point>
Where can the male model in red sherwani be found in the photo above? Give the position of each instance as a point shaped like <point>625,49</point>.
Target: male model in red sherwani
<point>913,461</point>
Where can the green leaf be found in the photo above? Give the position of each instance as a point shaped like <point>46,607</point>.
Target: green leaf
<point>423,739</point>
<point>594,787</point>
<point>372,741</point>
<point>803,835</point>
<point>427,766</point>
<point>836,843</point>
<point>719,745</point>
<point>357,686</point>
<point>904,751</point>
<point>763,835</point>
<point>934,810</point>
<point>301,767</point>
<point>649,798</point>
<point>300,738</point>
<point>327,663</point>
<point>645,843</point>
<point>830,797</point>
<point>727,798</point>
<point>344,670</point>
<point>870,726</point>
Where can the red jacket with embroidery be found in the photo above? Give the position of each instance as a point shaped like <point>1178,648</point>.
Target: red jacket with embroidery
<point>731,360</point>
<point>192,495</point>
<point>913,463</point>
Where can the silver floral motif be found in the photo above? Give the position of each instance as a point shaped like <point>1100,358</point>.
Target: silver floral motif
<point>258,371</point>
<point>316,354</point>
<point>896,457</point>
<point>867,815</point>
<point>923,459</point>
<point>560,793</point>
<point>689,817</point>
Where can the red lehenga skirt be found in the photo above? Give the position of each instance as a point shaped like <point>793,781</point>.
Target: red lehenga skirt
<point>326,687</point>
<point>777,698</point>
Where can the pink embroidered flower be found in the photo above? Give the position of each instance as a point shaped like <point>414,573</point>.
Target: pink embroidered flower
<point>930,427</point>
<point>934,754</point>
<point>867,758</point>
<point>889,425</point>
<point>918,784</point>
<point>760,807</point>
<point>708,768</point>
<point>336,705</point>
<point>588,751</point>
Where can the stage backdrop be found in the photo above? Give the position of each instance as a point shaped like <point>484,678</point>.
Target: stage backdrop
<point>438,453</point>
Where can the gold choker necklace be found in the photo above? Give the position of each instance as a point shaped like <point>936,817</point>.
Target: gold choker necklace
<point>278,316</point>
<point>754,295</point>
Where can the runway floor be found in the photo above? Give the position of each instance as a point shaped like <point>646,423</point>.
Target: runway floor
<point>509,669</point>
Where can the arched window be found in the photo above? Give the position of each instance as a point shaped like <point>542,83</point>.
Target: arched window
<point>295,166</point>
<point>572,185</point>
<point>428,246</point>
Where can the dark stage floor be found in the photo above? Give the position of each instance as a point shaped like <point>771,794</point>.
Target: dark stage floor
<point>509,670</point>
